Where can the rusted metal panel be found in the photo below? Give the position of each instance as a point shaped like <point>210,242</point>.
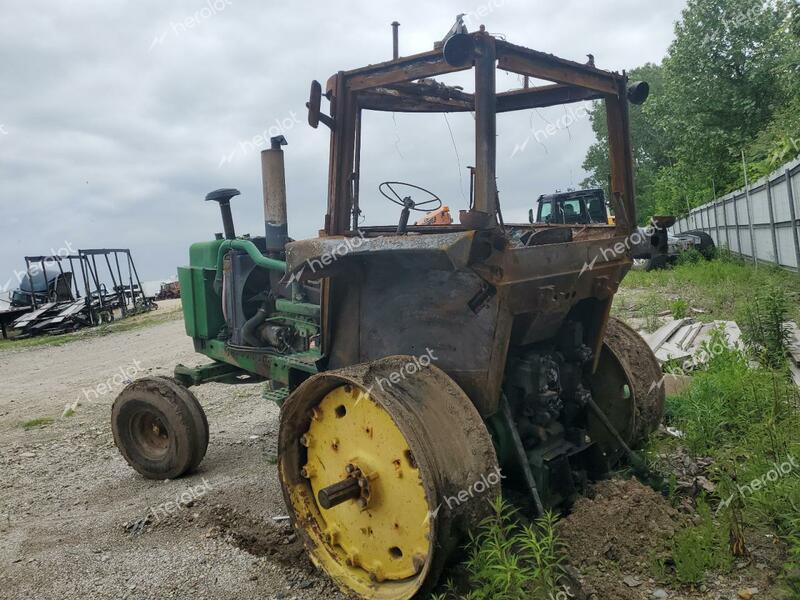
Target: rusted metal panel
<point>403,294</point>
<point>319,257</point>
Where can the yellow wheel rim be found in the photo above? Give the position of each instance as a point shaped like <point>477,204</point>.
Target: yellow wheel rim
<point>384,535</point>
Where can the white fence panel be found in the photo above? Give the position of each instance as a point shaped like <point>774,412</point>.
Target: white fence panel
<point>762,222</point>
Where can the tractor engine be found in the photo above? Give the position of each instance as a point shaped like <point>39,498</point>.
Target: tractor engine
<point>240,308</point>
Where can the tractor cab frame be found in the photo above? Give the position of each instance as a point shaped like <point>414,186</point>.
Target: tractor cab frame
<point>405,85</point>
<point>505,262</point>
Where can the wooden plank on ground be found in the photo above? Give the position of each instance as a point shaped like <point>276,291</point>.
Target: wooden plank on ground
<point>669,351</point>
<point>665,332</point>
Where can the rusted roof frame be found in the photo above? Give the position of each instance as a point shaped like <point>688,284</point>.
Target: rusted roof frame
<point>424,96</point>
<point>350,91</point>
<point>510,57</point>
<point>543,96</point>
<point>409,68</point>
<point>407,99</point>
<point>524,61</point>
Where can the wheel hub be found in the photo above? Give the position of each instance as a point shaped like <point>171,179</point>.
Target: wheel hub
<point>373,508</point>
<point>150,434</point>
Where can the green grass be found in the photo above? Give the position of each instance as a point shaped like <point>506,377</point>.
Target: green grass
<point>40,422</point>
<point>136,322</point>
<point>701,548</point>
<point>719,287</point>
<point>747,420</point>
<point>508,560</point>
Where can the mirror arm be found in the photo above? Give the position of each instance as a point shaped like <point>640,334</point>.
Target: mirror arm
<point>329,121</point>
<point>325,119</point>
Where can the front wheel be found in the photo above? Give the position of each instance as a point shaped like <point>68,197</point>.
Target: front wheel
<point>159,428</point>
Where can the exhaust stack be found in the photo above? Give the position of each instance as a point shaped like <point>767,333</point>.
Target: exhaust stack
<point>395,41</point>
<point>273,177</point>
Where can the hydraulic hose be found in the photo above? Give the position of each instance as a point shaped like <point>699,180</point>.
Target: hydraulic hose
<point>253,252</point>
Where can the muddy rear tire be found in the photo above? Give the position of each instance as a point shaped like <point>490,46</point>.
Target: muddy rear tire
<point>159,428</point>
<point>425,465</point>
<point>645,377</point>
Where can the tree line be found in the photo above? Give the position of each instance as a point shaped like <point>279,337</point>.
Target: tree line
<point>728,89</point>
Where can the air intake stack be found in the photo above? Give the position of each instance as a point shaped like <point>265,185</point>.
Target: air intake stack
<point>273,177</point>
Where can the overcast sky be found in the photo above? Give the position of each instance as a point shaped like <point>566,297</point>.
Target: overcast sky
<point>117,117</point>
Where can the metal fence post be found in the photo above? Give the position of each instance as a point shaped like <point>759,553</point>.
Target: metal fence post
<point>716,220</point>
<point>750,224</point>
<point>736,221</point>
<point>749,213</point>
<point>793,215</point>
<point>725,221</point>
<point>772,223</point>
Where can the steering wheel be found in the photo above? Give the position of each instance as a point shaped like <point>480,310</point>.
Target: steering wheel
<point>407,202</point>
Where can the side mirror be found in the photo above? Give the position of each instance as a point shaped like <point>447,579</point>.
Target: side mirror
<point>530,215</point>
<point>638,92</point>
<point>314,105</point>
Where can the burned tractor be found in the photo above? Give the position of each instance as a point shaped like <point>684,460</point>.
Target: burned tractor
<point>416,364</point>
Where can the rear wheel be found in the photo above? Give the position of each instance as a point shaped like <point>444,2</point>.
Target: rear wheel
<point>383,480</point>
<point>159,428</point>
<point>628,387</point>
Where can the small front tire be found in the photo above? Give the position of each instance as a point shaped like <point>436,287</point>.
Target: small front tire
<point>159,428</point>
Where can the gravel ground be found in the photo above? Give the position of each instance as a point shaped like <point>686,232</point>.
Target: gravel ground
<point>72,512</point>
<point>73,515</point>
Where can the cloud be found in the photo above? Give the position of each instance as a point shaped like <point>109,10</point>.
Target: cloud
<point>114,126</point>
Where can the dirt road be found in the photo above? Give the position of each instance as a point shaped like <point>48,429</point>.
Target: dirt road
<point>71,510</point>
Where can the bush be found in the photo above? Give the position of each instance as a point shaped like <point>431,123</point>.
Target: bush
<point>690,256</point>
<point>764,332</point>
<point>747,419</point>
<point>508,561</point>
<point>679,308</point>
